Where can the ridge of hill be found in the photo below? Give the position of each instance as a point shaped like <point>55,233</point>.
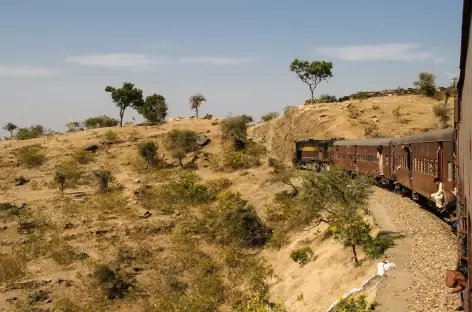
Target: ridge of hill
<point>386,116</point>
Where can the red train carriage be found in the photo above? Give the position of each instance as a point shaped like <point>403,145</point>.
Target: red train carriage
<point>418,159</point>
<point>364,153</point>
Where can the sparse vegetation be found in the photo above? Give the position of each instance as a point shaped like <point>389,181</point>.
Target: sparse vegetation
<point>426,83</point>
<point>269,116</point>
<point>154,108</point>
<point>31,155</point>
<point>234,129</point>
<point>327,98</point>
<point>441,112</point>
<point>126,96</point>
<point>73,126</point>
<point>148,151</point>
<point>32,132</point>
<point>66,172</point>
<point>110,136</point>
<point>82,156</point>
<point>103,178</point>
<point>10,127</point>
<point>353,303</point>
<point>181,142</point>
<point>302,255</point>
<point>312,73</point>
<point>100,122</point>
<point>196,101</point>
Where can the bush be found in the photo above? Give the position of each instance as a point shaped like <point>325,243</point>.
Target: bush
<point>31,155</point>
<point>114,285</point>
<point>12,268</point>
<point>218,185</point>
<point>83,157</point>
<point>208,116</point>
<point>375,247</point>
<point>289,109</point>
<point>66,172</point>
<point>103,178</point>
<point>353,303</point>
<point>375,107</point>
<point>110,136</point>
<point>73,126</point>
<point>442,114</point>
<point>32,132</point>
<point>302,255</point>
<point>189,188</point>
<point>234,129</point>
<point>361,95</point>
<point>100,122</point>
<point>181,142</point>
<point>269,116</point>
<point>327,98</point>
<point>426,83</point>
<point>148,151</point>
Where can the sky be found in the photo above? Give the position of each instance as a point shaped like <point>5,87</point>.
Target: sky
<point>57,56</point>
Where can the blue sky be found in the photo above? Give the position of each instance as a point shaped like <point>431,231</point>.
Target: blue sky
<point>57,56</point>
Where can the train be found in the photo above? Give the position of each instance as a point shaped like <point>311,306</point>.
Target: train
<point>409,163</point>
<point>413,162</point>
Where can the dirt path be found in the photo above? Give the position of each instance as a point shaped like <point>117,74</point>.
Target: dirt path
<point>425,249</point>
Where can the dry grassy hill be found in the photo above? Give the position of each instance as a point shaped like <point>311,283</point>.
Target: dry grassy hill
<point>68,253</point>
<point>379,116</point>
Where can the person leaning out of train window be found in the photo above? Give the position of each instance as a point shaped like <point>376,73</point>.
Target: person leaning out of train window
<point>458,282</point>
<point>380,160</point>
<point>439,195</point>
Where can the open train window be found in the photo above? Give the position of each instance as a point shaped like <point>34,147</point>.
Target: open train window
<point>422,165</point>
<point>436,170</point>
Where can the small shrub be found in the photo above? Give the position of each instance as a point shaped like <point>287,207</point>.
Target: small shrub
<point>234,129</point>
<point>66,172</point>
<point>31,155</point>
<point>61,252</point>
<point>100,122</point>
<point>114,285</point>
<point>353,303</point>
<point>361,95</point>
<point>133,136</point>
<point>218,185</point>
<point>110,136</point>
<point>208,116</point>
<point>302,255</point>
<point>148,152</point>
<point>404,121</point>
<point>189,188</point>
<point>83,157</point>
<point>73,126</point>
<point>103,178</point>
<point>375,107</point>
<point>396,112</point>
<point>327,98</point>
<point>269,116</point>
<point>353,111</point>
<point>32,132</point>
<point>12,268</point>
<point>289,109</point>
<point>181,142</point>
<point>375,247</point>
<point>442,114</point>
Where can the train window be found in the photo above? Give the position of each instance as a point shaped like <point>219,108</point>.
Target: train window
<point>430,167</point>
<point>386,160</point>
<point>436,173</point>
<point>449,171</point>
<point>422,165</point>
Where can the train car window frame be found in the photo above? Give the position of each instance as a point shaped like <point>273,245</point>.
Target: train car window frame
<point>449,171</point>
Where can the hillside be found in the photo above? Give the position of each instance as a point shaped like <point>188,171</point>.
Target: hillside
<point>70,252</point>
<point>352,119</point>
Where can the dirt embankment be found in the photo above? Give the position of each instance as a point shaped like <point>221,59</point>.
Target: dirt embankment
<point>386,116</point>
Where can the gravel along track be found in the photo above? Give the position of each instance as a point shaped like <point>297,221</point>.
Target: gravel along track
<point>425,251</point>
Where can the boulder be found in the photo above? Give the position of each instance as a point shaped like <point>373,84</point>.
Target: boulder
<point>91,147</point>
<point>203,140</point>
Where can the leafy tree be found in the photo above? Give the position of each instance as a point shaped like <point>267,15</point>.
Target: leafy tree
<point>350,229</point>
<point>64,172</point>
<point>181,142</point>
<point>73,126</point>
<point>426,83</point>
<point>269,116</point>
<point>10,127</point>
<point>312,73</point>
<point>283,175</point>
<point>196,101</point>
<point>126,96</point>
<point>148,151</point>
<point>154,108</point>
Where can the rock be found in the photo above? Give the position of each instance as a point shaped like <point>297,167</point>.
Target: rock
<point>21,181</point>
<point>68,226</point>
<point>91,147</point>
<point>203,140</point>
<point>80,256</point>
<point>146,215</point>
<point>3,227</point>
<point>137,181</point>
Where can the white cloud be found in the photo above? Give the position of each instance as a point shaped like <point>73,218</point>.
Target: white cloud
<point>217,61</point>
<point>26,71</point>
<point>142,61</point>
<point>376,52</point>
<point>116,60</point>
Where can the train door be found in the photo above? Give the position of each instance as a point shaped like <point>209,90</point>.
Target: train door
<point>439,157</point>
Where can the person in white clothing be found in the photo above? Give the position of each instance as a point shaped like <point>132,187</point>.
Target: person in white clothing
<point>439,195</point>
<point>380,160</point>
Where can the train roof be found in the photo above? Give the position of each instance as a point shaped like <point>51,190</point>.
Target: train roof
<point>315,141</point>
<point>432,136</point>
<point>364,142</point>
